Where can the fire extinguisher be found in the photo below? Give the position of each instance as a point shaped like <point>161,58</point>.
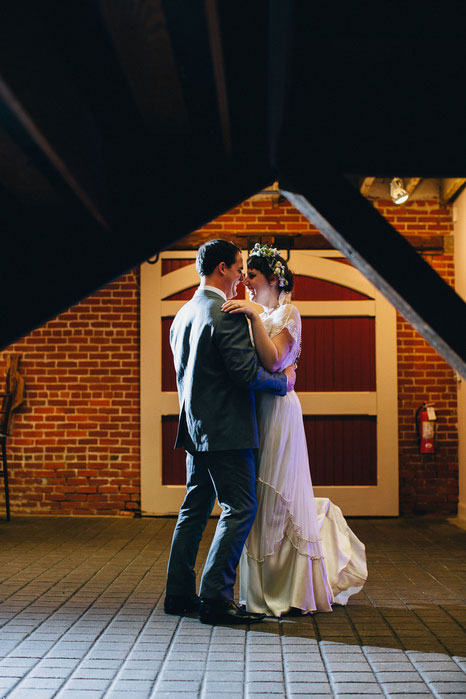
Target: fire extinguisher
<point>426,428</point>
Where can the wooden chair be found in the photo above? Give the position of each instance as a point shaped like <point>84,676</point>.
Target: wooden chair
<point>10,400</point>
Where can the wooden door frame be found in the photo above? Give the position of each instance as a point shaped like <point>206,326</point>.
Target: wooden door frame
<point>379,500</point>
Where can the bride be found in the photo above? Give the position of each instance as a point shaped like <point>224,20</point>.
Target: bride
<point>300,553</point>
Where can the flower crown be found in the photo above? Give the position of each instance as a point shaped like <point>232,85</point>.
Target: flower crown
<point>277,268</point>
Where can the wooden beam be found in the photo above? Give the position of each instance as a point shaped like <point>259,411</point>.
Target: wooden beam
<point>271,192</point>
<point>411,183</point>
<point>366,184</point>
<point>372,245</point>
<point>449,187</point>
<point>141,38</point>
<point>18,174</point>
<point>432,244</point>
<point>219,70</point>
<point>33,140</point>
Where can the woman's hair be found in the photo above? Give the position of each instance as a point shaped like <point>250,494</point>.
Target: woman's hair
<point>266,263</point>
<point>211,253</point>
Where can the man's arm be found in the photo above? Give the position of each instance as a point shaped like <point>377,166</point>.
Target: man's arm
<point>234,343</point>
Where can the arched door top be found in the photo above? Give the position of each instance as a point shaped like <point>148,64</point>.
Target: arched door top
<point>302,262</point>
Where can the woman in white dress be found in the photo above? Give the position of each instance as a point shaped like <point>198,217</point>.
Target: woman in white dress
<point>300,553</point>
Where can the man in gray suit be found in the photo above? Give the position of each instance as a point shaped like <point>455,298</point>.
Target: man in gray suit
<point>217,375</point>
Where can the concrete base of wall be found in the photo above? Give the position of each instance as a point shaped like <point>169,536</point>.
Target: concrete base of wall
<point>460,519</point>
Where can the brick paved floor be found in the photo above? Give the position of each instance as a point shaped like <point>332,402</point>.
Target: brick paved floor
<point>81,616</point>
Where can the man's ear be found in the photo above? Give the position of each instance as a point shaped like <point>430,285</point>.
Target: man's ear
<point>221,268</point>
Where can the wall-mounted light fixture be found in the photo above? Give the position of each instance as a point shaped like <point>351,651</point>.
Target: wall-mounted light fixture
<point>397,192</point>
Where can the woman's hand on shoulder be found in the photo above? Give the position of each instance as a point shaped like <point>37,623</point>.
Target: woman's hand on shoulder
<point>235,306</point>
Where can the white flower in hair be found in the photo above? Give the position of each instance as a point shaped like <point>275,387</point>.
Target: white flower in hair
<point>277,268</point>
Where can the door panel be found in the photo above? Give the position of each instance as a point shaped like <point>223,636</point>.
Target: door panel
<point>342,449</point>
<point>321,290</point>
<point>173,460</point>
<point>338,354</point>
<point>167,368</point>
<point>169,265</point>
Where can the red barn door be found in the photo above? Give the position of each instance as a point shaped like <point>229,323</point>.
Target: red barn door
<point>346,383</point>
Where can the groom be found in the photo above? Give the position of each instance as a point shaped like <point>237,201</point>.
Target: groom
<point>217,373</point>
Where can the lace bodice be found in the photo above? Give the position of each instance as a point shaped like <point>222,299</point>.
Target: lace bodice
<point>285,316</point>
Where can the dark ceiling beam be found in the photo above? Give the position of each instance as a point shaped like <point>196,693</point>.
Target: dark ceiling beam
<point>354,227</point>
<point>432,245</point>
<point>194,39</point>
<point>411,184</point>
<point>365,185</point>
<point>215,41</point>
<point>20,176</point>
<point>143,44</point>
<point>280,35</point>
<point>451,187</point>
<point>29,137</point>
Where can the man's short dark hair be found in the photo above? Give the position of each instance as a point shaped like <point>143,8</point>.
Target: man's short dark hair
<point>213,252</point>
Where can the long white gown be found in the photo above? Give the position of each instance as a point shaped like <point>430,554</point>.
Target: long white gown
<point>300,552</point>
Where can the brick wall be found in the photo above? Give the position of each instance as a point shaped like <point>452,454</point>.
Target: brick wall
<point>75,443</point>
<point>428,483</point>
<point>255,217</point>
<point>75,446</point>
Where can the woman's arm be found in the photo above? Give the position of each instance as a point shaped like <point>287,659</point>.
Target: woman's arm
<point>270,351</point>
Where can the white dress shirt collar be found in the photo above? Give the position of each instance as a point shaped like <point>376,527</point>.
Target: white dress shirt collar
<point>215,290</point>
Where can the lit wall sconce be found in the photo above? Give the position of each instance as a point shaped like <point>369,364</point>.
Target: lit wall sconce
<point>397,192</point>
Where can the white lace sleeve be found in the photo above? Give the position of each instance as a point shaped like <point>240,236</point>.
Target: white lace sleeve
<point>293,322</point>
<point>287,316</point>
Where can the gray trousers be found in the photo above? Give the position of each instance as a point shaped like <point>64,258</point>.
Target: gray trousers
<point>229,476</point>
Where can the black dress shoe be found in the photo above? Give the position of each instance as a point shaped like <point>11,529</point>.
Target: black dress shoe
<point>226,612</point>
<point>294,611</point>
<point>179,604</point>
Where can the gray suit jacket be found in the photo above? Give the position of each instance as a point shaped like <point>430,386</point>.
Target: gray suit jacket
<point>217,373</point>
